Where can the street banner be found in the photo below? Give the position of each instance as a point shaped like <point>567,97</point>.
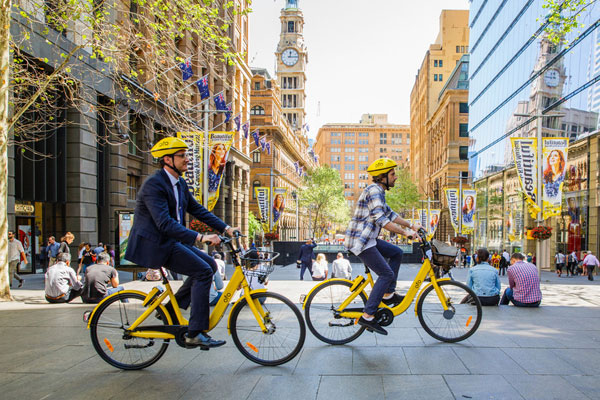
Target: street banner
<point>453,207</point>
<point>468,203</point>
<point>125,225</point>
<point>553,175</point>
<point>434,220</point>
<point>219,144</point>
<point>278,204</point>
<point>525,153</point>
<point>262,198</point>
<point>422,215</point>
<point>193,175</point>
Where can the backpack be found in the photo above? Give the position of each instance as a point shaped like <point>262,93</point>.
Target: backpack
<point>153,275</point>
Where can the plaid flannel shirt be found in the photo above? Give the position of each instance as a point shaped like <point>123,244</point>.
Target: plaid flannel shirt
<point>370,215</point>
<point>524,280</point>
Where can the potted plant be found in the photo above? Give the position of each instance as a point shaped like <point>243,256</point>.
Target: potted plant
<point>201,227</point>
<point>541,232</point>
<point>271,236</point>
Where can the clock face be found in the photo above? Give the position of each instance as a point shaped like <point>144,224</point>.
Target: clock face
<point>289,57</point>
<point>551,78</point>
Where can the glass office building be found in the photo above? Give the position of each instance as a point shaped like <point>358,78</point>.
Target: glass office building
<point>516,73</point>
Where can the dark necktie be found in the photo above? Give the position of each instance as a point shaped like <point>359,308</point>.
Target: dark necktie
<point>180,197</point>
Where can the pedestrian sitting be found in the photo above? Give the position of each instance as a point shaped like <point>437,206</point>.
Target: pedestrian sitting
<point>319,268</point>
<point>524,283</point>
<point>101,280</point>
<point>341,268</point>
<point>484,280</point>
<point>61,285</point>
<point>589,263</point>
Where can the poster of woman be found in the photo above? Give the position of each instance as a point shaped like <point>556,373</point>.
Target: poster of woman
<point>434,220</point>
<point>219,145</point>
<point>553,176</point>
<point>468,210</point>
<point>278,203</point>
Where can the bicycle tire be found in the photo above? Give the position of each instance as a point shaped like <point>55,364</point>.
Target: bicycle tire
<point>108,326</point>
<point>320,317</point>
<point>448,327</point>
<point>285,337</point>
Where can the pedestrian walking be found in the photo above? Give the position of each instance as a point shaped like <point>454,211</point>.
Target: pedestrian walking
<point>572,263</point>
<point>560,262</point>
<point>16,254</point>
<point>306,257</point>
<point>590,262</point>
<point>52,249</point>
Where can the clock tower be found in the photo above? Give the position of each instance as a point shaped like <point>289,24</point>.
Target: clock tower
<point>292,58</point>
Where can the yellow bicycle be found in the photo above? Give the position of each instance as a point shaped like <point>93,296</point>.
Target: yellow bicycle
<point>448,310</point>
<point>132,329</point>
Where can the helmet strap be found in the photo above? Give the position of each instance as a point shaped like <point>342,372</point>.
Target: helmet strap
<point>172,167</point>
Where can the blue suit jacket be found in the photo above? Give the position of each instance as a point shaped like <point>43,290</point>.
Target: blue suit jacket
<point>155,228</point>
<point>306,253</point>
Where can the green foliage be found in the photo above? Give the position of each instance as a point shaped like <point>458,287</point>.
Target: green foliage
<point>254,226</point>
<point>322,195</point>
<point>405,194</point>
<point>563,16</point>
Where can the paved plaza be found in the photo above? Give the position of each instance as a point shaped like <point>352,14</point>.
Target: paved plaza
<point>546,353</point>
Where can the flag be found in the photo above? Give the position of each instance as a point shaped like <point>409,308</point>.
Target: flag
<point>186,70</point>
<point>202,85</point>
<point>269,148</point>
<point>246,128</point>
<point>238,121</point>
<point>228,115</point>
<point>296,165</point>
<point>300,169</point>
<point>255,136</point>
<point>219,100</point>
<point>263,143</point>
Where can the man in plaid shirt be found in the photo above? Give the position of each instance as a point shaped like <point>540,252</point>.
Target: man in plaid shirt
<point>524,283</point>
<point>371,214</point>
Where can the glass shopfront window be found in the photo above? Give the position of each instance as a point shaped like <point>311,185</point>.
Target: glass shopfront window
<point>480,238</point>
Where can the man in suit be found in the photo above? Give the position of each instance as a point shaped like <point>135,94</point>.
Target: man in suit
<point>159,236</point>
<point>306,257</point>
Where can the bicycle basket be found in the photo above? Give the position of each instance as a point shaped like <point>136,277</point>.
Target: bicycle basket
<point>259,264</point>
<point>443,254</point>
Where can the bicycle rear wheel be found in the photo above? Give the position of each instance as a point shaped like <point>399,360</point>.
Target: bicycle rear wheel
<point>285,330</point>
<point>109,337</point>
<point>460,321</point>
<point>320,313</point>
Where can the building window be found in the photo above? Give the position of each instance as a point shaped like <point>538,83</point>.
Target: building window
<point>441,63</point>
<point>382,150</point>
<point>435,63</point>
<point>256,85</point>
<point>349,149</point>
<point>363,158</point>
<point>257,110</point>
<point>349,167</point>
<point>348,141</point>
<point>458,49</point>
<point>133,183</point>
<point>463,130</point>
<point>255,184</point>
<point>349,134</point>
<point>464,174</point>
<point>335,158</point>
<point>363,167</point>
<point>440,77</point>
<point>349,175</point>
<point>335,150</point>
<point>463,152</point>
<point>256,156</point>
<point>291,26</point>
<point>333,134</point>
<point>136,132</point>
<point>463,108</point>
<point>349,158</point>
<point>292,119</point>
<point>363,141</point>
<point>363,149</point>
<point>363,134</point>
<point>336,141</point>
<point>435,77</point>
<point>335,166</point>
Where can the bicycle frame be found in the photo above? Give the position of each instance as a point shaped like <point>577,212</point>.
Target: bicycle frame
<point>423,273</point>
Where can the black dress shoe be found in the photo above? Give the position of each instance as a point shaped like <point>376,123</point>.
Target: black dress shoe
<point>203,340</point>
<point>372,326</point>
<point>395,299</point>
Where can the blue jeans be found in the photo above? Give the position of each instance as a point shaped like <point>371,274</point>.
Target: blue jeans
<point>507,297</point>
<point>112,290</point>
<point>387,274</point>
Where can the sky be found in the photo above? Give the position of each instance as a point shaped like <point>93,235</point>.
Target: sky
<point>363,56</point>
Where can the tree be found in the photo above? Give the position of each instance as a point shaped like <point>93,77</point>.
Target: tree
<point>322,194</point>
<point>564,17</point>
<point>405,194</point>
<point>132,49</point>
<point>254,226</point>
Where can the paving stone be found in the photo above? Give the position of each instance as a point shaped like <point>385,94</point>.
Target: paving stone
<point>481,387</point>
<point>219,387</point>
<point>537,387</point>
<point>286,387</point>
<point>586,360</point>
<point>351,387</point>
<point>589,385</point>
<point>416,387</point>
<point>326,360</point>
<point>379,360</point>
<point>542,362</point>
<point>434,360</point>
<point>400,337</point>
<point>488,361</point>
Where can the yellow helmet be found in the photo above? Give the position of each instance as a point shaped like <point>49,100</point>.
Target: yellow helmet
<point>381,166</point>
<point>167,146</point>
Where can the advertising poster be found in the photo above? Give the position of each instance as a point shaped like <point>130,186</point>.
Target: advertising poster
<point>525,153</point>
<point>263,200</point>
<point>219,144</point>
<point>422,215</point>
<point>193,176</point>
<point>125,224</point>
<point>434,220</point>
<point>278,204</point>
<point>24,236</point>
<point>554,164</point>
<point>468,202</point>
<point>453,207</point>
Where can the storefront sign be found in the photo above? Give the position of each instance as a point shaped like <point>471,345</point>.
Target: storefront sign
<point>24,208</point>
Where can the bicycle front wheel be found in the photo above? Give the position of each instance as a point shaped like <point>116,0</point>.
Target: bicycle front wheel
<point>321,315</point>
<point>108,329</point>
<point>459,321</point>
<point>285,333</point>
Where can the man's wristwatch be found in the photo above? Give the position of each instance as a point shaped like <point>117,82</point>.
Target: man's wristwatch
<point>226,229</point>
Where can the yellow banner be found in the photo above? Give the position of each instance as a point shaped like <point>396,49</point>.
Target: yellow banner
<point>553,175</point>
<point>468,202</point>
<point>453,207</point>
<point>263,200</point>
<point>193,175</point>
<point>219,144</point>
<point>525,154</point>
<point>434,220</point>
<point>278,205</point>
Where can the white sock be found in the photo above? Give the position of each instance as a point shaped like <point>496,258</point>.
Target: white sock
<point>388,296</point>
<point>368,319</point>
